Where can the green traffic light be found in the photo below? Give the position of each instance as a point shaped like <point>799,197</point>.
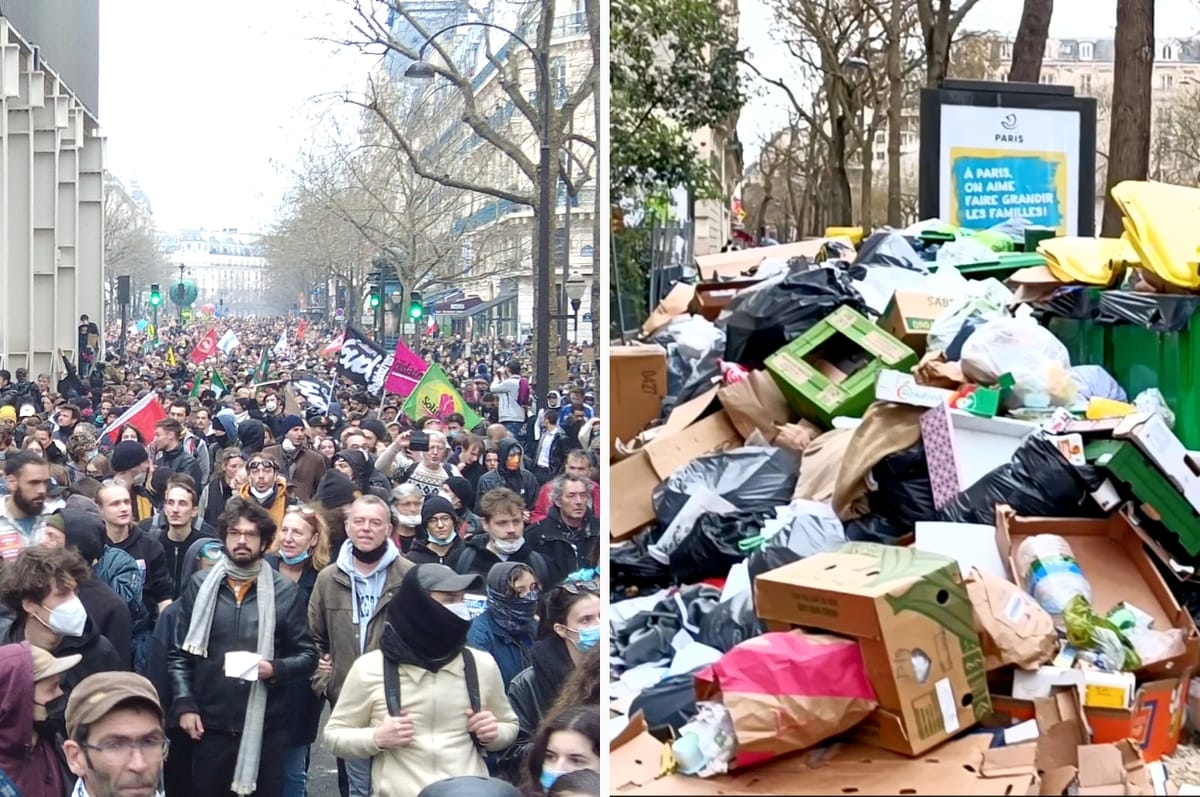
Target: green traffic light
<point>155,295</point>
<point>416,310</point>
<point>374,300</point>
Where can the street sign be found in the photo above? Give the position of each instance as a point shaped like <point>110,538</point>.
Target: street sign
<point>340,313</point>
<point>367,319</point>
<point>586,318</point>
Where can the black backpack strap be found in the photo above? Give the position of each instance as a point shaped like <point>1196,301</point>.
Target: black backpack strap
<point>391,686</point>
<point>472,676</point>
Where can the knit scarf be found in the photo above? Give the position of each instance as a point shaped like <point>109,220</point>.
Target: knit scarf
<point>419,630</point>
<point>245,773</point>
<point>513,614</point>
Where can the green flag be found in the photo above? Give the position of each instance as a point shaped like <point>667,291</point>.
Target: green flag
<point>435,396</point>
<point>264,362</point>
<point>196,384</point>
<point>218,384</point>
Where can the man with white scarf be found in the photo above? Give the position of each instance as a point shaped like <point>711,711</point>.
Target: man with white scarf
<point>234,709</point>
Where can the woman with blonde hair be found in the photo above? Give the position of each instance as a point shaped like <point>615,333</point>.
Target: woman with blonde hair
<point>299,551</point>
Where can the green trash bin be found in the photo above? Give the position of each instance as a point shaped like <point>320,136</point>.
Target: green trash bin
<point>1071,316</point>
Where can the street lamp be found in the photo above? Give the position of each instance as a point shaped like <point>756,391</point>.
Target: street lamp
<point>574,287</point>
<point>423,70</point>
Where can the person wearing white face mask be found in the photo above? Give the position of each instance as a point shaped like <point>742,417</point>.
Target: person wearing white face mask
<point>503,520</point>
<point>40,606</point>
<point>302,467</point>
<point>440,541</point>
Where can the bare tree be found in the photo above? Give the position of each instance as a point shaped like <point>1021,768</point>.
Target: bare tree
<point>130,244</point>
<point>1129,136</point>
<point>940,21</point>
<point>1030,43</point>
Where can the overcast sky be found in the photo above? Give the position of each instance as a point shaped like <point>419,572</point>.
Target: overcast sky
<point>198,100</point>
<point>1072,18</point>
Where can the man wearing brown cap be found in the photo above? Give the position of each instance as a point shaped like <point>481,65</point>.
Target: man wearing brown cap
<point>116,743</point>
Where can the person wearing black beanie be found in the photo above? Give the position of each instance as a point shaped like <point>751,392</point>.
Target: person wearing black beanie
<point>437,539</point>
<point>336,493</point>
<point>425,633</point>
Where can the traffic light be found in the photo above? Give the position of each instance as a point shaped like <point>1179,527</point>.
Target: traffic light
<point>155,295</point>
<point>416,308</point>
<point>373,299</point>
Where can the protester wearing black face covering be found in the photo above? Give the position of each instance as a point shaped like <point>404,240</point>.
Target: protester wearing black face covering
<point>364,473</point>
<point>436,731</point>
<point>508,626</point>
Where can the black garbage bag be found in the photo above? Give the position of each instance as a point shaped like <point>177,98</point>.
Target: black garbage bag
<point>633,571</point>
<point>731,623</point>
<point>770,557</point>
<point>758,323</point>
<point>646,637</point>
<point>667,705</point>
<point>874,528</point>
<point>1154,311</point>
<point>1038,482</point>
<point>889,248</point>
<point>750,478</point>
<point>711,547</point>
<point>904,496</point>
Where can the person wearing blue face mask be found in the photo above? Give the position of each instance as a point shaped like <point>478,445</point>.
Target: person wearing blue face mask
<point>569,629</point>
<point>299,552</point>
<point>567,742</point>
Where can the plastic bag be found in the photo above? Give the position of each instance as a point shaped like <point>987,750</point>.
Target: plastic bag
<point>1038,361</point>
<point>1152,402</point>
<point>712,546</point>
<point>964,252</point>
<point>874,528</point>
<point>751,477</point>
<point>634,570</point>
<point>1037,482</point>
<point>759,322</point>
<point>694,346</point>
<point>770,557</point>
<point>889,248</point>
<point>732,622</point>
<point>904,494</point>
<point>666,706</point>
<point>647,636</point>
<point>1092,381</point>
<point>983,299</point>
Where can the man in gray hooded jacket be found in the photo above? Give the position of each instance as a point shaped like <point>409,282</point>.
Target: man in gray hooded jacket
<point>349,607</point>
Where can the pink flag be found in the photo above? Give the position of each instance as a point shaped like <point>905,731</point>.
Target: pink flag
<point>406,371</point>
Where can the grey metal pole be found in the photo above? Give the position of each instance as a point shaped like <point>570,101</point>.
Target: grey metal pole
<point>545,234</point>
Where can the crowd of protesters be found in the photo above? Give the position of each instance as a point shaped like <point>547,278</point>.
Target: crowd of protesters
<point>210,583</point>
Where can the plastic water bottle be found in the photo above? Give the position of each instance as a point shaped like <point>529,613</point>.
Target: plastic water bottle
<point>1051,573</point>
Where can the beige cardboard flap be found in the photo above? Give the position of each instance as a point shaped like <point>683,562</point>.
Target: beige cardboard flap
<point>755,402</point>
<point>675,303</point>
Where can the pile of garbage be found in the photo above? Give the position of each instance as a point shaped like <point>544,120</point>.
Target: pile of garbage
<point>899,520</point>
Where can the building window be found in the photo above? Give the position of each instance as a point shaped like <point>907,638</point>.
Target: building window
<point>1005,50</point>
<point>558,77</point>
<point>880,136</point>
<point>1085,83</point>
<point>1167,52</point>
<point>1166,81</point>
<point>1086,51</point>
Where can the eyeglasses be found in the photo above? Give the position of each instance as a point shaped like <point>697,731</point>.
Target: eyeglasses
<point>261,466</point>
<point>149,747</point>
<point>441,520</point>
<point>579,587</point>
<point>303,510</point>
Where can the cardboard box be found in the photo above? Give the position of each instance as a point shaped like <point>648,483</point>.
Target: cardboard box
<point>1159,443</point>
<point>905,608</point>
<point>1154,722</point>
<point>675,303</point>
<point>910,315</point>
<point>902,388</point>
<point>681,440</point>
<point>639,384</point>
<point>1111,556</point>
<point>710,298</point>
<point>831,369</point>
<point>742,262</point>
<point>961,448</point>
<point>962,766</point>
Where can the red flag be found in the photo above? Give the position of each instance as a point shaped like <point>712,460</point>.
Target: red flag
<point>141,416</point>
<point>300,329</point>
<point>205,347</point>
<point>334,346</point>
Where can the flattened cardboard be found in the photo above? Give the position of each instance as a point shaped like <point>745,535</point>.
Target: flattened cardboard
<point>961,766</point>
<point>634,478</point>
<point>639,383</point>
<point>1106,769</point>
<point>910,315</point>
<point>675,303</point>
<point>898,602</point>
<point>740,263</point>
<point>1111,556</point>
<point>635,756</point>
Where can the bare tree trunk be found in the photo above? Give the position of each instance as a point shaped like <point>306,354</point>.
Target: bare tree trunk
<point>842,206</point>
<point>867,153</point>
<point>1030,43</point>
<point>937,45</point>
<point>895,113</point>
<point>1129,136</point>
